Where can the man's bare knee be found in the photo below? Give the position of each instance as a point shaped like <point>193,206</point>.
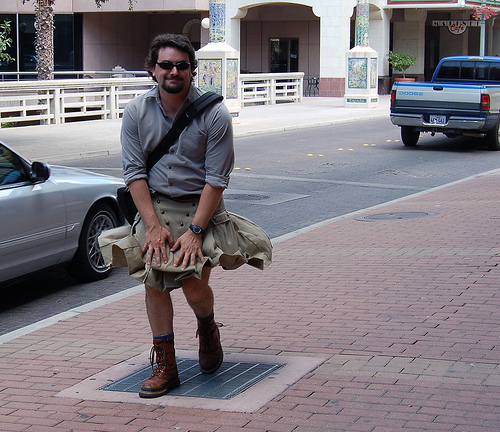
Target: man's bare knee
<point>198,294</point>
<point>156,295</point>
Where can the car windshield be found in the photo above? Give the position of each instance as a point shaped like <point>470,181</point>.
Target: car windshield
<point>11,168</point>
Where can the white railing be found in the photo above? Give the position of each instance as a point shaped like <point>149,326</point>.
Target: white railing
<point>272,88</point>
<point>58,101</point>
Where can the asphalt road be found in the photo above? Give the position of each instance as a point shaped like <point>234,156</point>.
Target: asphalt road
<point>283,182</point>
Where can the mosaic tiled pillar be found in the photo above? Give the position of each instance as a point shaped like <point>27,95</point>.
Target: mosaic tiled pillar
<point>362,64</point>
<point>217,11</point>
<point>218,63</point>
<point>363,23</point>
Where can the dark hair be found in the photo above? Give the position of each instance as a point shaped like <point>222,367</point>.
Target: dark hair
<point>178,41</point>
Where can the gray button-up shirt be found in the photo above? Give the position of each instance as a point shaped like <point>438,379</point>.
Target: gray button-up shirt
<point>204,152</point>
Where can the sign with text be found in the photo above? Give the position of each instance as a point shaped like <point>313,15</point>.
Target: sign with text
<point>455,26</point>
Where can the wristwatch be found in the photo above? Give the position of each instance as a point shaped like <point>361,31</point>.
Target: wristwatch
<point>196,229</point>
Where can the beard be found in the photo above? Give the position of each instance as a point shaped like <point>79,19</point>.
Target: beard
<point>173,86</point>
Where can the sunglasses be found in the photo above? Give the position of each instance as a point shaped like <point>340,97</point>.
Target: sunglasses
<point>168,65</point>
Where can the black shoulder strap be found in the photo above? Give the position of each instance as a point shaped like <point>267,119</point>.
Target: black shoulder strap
<point>169,139</point>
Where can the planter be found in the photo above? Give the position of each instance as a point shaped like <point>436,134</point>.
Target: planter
<point>404,79</point>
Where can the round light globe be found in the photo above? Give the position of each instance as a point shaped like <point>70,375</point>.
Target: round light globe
<point>205,22</point>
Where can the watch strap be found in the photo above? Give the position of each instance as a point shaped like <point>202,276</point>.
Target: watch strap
<point>196,229</point>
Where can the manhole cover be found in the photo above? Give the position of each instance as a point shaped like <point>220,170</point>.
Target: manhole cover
<point>250,197</point>
<point>395,216</point>
<point>230,380</point>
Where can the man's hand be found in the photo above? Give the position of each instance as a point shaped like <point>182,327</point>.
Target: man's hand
<point>157,236</point>
<point>190,246</point>
<point>156,241</point>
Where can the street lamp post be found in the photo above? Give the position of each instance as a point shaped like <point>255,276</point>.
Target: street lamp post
<point>482,38</point>
<point>482,14</point>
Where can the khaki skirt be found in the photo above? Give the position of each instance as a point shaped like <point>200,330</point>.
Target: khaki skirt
<point>229,241</point>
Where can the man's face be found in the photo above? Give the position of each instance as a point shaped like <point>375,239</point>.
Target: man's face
<point>172,81</point>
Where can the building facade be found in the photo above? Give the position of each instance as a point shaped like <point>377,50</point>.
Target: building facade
<point>310,36</point>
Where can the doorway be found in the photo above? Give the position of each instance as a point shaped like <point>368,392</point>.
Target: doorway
<point>284,55</point>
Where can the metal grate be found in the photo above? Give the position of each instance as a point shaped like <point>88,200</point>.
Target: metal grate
<point>230,380</point>
<point>245,196</point>
<point>395,216</point>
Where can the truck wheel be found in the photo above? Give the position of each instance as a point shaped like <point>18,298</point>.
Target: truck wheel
<point>493,138</point>
<point>409,136</point>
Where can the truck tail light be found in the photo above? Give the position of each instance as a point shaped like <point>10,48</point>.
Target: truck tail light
<point>485,102</point>
<point>393,98</point>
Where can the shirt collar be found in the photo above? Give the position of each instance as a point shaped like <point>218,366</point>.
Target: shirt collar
<point>192,94</point>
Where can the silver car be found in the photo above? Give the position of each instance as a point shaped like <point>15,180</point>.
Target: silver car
<point>53,215</point>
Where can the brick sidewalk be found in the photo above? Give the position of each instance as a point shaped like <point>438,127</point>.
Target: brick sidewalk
<point>405,312</point>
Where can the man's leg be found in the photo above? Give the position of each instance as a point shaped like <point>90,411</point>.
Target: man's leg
<point>198,293</point>
<point>160,311</point>
<point>200,297</point>
<point>165,376</point>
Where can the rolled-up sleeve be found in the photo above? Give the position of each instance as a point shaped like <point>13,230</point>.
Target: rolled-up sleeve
<point>219,156</point>
<point>133,159</point>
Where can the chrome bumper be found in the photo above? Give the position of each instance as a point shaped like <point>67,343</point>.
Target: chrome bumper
<point>454,123</point>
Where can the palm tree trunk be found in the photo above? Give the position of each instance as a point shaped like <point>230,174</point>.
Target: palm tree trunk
<point>44,44</point>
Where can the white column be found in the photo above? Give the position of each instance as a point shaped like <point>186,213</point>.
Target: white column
<point>219,63</point>
<point>362,64</point>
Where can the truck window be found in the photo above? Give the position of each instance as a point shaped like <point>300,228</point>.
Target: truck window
<point>449,70</point>
<point>482,69</point>
<point>495,71</point>
<point>467,70</point>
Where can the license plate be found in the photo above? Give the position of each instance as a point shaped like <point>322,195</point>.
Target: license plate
<point>437,119</point>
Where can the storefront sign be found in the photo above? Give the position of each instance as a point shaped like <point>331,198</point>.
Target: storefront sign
<point>455,27</point>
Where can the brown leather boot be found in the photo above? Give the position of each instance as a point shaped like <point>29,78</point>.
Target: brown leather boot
<point>210,352</point>
<point>165,376</point>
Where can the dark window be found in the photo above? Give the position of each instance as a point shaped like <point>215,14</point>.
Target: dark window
<point>4,66</point>
<point>467,70</point>
<point>64,52</point>
<point>449,70</point>
<point>66,43</point>
<point>495,71</point>
<point>27,56</point>
<point>482,71</point>
<point>284,55</point>
<point>11,168</point>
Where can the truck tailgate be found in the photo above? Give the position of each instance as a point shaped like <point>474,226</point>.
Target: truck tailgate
<point>427,98</point>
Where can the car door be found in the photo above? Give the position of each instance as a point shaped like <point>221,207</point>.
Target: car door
<point>32,219</point>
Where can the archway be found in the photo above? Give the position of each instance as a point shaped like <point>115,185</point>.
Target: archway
<point>280,37</point>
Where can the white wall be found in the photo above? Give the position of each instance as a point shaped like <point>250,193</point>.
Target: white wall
<point>123,38</point>
<point>409,37</point>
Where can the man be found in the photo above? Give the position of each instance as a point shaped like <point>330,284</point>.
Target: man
<point>176,201</point>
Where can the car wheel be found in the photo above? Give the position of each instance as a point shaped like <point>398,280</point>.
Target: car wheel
<point>493,138</point>
<point>409,136</point>
<point>88,263</point>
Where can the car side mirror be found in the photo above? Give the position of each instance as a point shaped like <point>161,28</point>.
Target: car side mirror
<point>40,172</point>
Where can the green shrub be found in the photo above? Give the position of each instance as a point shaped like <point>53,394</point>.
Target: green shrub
<point>401,61</point>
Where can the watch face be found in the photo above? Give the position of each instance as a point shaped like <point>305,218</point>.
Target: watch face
<point>196,229</point>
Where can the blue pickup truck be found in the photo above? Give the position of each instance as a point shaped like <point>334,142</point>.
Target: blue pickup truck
<point>463,98</point>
